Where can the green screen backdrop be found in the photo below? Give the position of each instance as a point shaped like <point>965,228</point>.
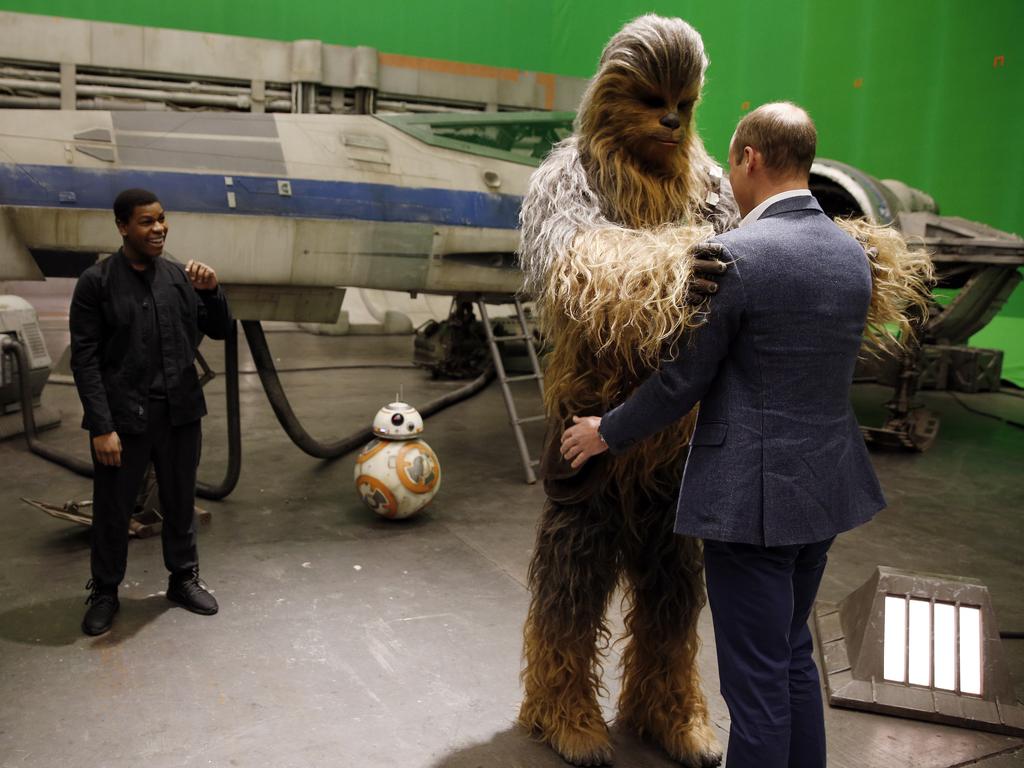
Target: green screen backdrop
<point>930,92</point>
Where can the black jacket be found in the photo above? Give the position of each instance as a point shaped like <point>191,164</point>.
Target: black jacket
<point>112,332</point>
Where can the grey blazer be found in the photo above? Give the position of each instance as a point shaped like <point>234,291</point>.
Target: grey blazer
<point>777,457</point>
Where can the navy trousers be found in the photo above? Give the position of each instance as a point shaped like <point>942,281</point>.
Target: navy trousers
<point>760,600</point>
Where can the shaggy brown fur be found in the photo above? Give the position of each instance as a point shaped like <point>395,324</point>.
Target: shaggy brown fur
<point>612,296</point>
<point>901,282</point>
<point>607,229</point>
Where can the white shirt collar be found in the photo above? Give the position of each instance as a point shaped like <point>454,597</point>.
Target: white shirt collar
<point>755,214</point>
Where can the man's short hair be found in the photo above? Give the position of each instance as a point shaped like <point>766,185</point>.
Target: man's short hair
<point>783,133</point>
<point>130,199</point>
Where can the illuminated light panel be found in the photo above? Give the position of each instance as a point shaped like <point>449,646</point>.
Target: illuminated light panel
<point>970,650</point>
<point>895,641</point>
<point>919,645</point>
<point>945,646</point>
<point>919,657</point>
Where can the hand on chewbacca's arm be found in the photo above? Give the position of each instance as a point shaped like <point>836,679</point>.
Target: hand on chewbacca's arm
<point>678,384</point>
<point>674,383</point>
<point>583,440</point>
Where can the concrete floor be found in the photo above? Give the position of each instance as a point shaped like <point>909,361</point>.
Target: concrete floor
<point>348,640</point>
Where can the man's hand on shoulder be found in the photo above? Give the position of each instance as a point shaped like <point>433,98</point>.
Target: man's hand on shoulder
<point>108,449</point>
<point>582,440</point>
<point>709,261</point>
<point>202,277</point>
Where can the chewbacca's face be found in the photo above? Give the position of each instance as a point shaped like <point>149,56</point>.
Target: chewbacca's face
<point>644,94</point>
<point>654,122</point>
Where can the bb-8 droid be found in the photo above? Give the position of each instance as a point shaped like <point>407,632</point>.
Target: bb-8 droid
<point>396,473</point>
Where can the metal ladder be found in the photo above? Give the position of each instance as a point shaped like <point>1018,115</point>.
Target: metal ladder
<point>499,366</point>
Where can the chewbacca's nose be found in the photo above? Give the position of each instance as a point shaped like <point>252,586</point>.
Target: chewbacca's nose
<point>671,120</point>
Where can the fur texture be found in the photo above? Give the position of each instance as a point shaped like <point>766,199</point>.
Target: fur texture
<point>607,225</point>
<point>901,282</point>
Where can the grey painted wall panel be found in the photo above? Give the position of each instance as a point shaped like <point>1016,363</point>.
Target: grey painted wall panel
<point>216,154</point>
<point>213,123</point>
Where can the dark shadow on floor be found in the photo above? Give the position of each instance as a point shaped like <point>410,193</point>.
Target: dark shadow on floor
<point>59,622</point>
<point>514,748</point>
<point>133,616</point>
<point>75,538</point>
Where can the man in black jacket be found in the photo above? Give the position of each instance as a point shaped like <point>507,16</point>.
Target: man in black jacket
<point>136,320</point>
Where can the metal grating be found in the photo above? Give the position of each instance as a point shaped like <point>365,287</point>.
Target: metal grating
<point>36,345</point>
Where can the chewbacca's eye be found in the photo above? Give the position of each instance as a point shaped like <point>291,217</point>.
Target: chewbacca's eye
<point>655,102</point>
<point>684,105</point>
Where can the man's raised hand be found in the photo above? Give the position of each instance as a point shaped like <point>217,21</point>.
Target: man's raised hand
<point>202,277</point>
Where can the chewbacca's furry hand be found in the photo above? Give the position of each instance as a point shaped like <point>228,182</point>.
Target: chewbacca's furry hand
<point>708,262</point>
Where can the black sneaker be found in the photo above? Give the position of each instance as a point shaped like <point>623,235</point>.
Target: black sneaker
<point>103,604</point>
<point>189,592</point>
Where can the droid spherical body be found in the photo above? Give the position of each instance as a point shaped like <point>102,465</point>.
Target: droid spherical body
<point>396,473</point>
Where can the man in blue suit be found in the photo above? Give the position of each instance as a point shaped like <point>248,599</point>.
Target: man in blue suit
<point>777,466</point>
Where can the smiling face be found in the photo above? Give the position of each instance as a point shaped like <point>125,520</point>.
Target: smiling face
<point>145,232</point>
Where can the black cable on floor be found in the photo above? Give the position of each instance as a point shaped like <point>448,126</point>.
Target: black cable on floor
<point>311,369</point>
<point>1011,422</point>
<point>264,362</point>
<point>343,367</point>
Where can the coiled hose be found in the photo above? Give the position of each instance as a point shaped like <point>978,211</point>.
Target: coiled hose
<point>264,362</point>
<point>10,345</point>
<point>275,394</point>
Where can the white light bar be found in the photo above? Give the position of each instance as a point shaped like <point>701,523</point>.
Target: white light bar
<point>919,644</point>
<point>945,646</point>
<point>894,665</point>
<point>970,650</point>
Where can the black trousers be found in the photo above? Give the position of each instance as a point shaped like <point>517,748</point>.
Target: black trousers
<point>761,598</point>
<point>174,452</point>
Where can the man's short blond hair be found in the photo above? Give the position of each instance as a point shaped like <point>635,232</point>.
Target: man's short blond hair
<point>783,133</point>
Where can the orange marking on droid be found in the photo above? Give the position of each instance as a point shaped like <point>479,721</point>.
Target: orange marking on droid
<point>380,497</point>
<point>432,470</point>
<point>371,449</point>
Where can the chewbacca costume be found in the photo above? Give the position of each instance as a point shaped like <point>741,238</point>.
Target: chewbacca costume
<point>605,243</point>
<point>608,234</point>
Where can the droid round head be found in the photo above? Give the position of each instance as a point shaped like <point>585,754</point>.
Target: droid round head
<point>397,421</point>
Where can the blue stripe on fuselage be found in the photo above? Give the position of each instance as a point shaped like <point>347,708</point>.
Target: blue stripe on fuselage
<point>48,185</point>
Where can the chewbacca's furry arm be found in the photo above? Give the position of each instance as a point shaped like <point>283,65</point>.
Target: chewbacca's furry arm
<point>624,290</point>
<point>901,281</point>
<point>682,380</point>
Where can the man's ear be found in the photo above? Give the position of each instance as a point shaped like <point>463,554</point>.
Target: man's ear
<point>122,227</point>
<point>751,159</point>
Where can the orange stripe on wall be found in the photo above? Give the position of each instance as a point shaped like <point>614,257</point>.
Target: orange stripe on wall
<point>448,67</point>
<point>547,82</point>
<point>544,80</point>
